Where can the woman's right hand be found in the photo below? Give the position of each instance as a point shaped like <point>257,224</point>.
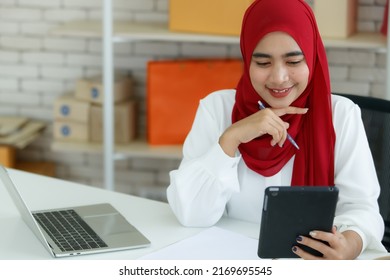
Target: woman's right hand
<point>266,121</point>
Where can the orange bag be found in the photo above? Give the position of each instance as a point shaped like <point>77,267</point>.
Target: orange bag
<point>174,88</point>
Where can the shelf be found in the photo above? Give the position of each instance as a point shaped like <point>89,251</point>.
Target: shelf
<point>134,149</point>
<point>130,31</point>
<point>368,40</point>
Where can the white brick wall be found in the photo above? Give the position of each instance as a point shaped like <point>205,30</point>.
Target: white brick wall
<point>36,67</point>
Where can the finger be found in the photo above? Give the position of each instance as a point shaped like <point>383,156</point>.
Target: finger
<point>283,134</point>
<point>329,237</point>
<point>279,132</point>
<point>272,117</point>
<point>283,137</point>
<point>303,254</point>
<point>273,125</point>
<point>277,137</point>
<point>290,110</point>
<point>317,245</point>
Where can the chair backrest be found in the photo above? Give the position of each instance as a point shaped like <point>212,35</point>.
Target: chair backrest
<point>376,120</point>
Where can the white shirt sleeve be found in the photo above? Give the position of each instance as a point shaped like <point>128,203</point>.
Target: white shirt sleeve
<point>207,177</point>
<point>355,176</point>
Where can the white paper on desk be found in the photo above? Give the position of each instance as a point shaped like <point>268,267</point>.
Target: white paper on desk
<point>211,244</point>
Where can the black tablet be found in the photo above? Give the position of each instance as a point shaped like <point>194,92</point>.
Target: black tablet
<point>292,211</point>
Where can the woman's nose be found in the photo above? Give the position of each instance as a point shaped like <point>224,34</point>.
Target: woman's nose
<point>279,74</point>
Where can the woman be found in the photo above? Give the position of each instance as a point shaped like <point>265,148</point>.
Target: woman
<point>234,150</point>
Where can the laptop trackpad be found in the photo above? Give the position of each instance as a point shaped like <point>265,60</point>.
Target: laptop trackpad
<point>109,224</point>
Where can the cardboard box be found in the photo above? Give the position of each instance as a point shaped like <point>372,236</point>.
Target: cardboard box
<point>68,108</point>
<point>125,115</point>
<point>174,88</point>
<point>7,156</point>
<point>336,18</point>
<point>222,17</point>
<point>92,89</point>
<point>19,132</point>
<point>71,131</point>
<point>11,124</point>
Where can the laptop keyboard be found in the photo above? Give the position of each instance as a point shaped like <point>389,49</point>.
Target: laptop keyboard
<point>68,230</point>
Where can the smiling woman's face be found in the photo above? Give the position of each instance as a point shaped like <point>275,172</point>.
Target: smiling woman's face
<point>278,70</point>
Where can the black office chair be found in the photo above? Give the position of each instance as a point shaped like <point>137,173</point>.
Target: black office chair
<point>376,119</point>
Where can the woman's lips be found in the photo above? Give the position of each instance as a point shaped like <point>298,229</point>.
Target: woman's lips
<point>280,93</point>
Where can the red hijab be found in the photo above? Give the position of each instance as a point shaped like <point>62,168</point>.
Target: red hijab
<point>313,131</point>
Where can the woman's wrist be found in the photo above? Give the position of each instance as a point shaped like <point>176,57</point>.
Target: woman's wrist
<point>355,243</point>
<point>228,143</point>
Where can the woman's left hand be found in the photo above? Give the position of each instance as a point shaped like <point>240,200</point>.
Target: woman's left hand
<point>340,246</point>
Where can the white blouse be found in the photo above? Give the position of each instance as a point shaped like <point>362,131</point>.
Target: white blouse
<point>209,183</point>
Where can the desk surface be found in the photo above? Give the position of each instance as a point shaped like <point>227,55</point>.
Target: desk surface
<point>154,219</point>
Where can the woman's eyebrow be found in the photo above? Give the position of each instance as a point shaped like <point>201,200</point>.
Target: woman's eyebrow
<point>294,53</point>
<point>261,55</point>
<point>264,55</point>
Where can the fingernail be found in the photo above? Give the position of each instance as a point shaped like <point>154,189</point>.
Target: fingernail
<point>299,238</point>
<point>294,248</point>
<point>313,234</point>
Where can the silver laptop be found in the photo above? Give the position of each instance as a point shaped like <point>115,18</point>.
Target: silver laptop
<point>78,230</point>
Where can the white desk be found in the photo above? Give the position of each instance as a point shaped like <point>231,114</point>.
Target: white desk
<point>154,219</point>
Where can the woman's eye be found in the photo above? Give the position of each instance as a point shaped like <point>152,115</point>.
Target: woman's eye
<point>294,62</point>
<point>262,64</point>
